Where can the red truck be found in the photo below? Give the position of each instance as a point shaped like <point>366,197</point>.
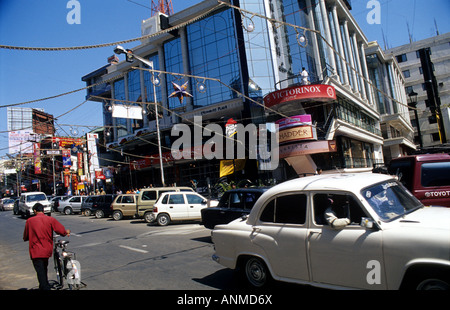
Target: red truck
<point>426,176</point>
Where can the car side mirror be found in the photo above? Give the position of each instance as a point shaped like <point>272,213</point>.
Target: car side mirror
<point>204,201</point>
<point>367,222</point>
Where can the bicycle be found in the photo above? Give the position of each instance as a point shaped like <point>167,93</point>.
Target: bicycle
<point>66,266</point>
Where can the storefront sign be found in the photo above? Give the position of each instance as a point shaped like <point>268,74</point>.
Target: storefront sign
<point>307,148</point>
<point>37,158</point>
<point>296,133</point>
<point>300,93</point>
<point>67,161</point>
<point>99,174</point>
<point>295,120</point>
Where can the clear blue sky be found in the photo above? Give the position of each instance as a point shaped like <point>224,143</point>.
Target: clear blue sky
<point>29,75</point>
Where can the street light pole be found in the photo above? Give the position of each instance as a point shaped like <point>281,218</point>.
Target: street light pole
<point>130,55</point>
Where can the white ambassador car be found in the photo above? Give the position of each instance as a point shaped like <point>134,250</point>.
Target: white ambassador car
<point>381,238</point>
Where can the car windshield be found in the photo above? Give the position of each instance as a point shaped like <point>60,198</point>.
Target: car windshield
<point>390,200</point>
<point>36,197</point>
<point>8,201</point>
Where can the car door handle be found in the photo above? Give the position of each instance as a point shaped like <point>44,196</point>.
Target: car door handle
<point>256,230</point>
<point>171,207</point>
<point>192,206</point>
<point>311,233</point>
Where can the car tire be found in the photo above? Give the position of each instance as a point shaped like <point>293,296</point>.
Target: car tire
<point>117,215</point>
<point>256,272</point>
<point>99,214</point>
<point>68,211</point>
<point>163,219</point>
<point>148,217</point>
<point>433,285</point>
<point>87,212</point>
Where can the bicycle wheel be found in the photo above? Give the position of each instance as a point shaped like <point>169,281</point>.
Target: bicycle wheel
<point>58,264</point>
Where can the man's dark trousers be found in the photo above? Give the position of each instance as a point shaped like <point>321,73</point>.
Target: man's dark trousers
<point>40,265</point>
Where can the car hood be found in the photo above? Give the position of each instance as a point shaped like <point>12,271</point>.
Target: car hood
<point>428,217</point>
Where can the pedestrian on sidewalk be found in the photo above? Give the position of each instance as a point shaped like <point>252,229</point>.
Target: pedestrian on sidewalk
<point>39,232</point>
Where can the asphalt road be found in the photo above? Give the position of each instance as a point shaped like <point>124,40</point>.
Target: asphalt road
<point>120,255</point>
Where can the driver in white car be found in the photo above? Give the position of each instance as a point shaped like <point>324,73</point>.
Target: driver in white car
<point>337,214</point>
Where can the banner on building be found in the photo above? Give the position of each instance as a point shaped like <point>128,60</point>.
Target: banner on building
<point>93,154</point>
<point>125,111</point>
<point>67,161</point>
<point>21,142</point>
<point>37,158</point>
<point>230,166</point>
<point>80,163</point>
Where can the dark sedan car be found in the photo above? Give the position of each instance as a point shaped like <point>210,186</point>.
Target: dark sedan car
<point>233,204</point>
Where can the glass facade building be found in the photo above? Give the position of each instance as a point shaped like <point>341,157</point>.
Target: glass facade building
<point>213,53</point>
<point>252,56</point>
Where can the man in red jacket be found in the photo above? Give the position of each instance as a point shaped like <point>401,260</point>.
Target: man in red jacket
<point>39,232</point>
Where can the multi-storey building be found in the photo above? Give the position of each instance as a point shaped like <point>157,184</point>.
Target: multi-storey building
<point>408,57</point>
<point>386,75</point>
<point>256,51</point>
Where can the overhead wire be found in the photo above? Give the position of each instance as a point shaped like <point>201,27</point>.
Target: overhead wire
<point>221,3</point>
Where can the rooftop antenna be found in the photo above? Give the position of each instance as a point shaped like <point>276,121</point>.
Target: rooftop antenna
<point>163,6</point>
<point>409,33</point>
<point>435,25</point>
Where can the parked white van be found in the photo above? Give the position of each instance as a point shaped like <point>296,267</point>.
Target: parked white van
<point>28,200</point>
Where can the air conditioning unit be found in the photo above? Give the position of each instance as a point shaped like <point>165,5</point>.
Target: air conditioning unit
<point>153,25</point>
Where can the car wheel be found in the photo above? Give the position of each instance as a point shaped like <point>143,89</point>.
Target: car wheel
<point>433,285</point>
<point>117,215</point>
<point>163,219</point>
<point>87,212</point>
<point>68,211</point>
<point>99,214</point>
<point>256,272</point>
<point>148,217</point>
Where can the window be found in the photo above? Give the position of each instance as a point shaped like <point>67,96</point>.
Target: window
<point>406,74</point>
<point>36,197</point>
<point>213,52</point>
<point>344,205</point>
<point>149,195</point>
<point>127,199</point>
<point>174,63</point>
<point>119,199</point>
<point>235,200</point>
<point>401,58</point>
<point>176,199</point>
<point>288,209</point>
<point>436,174</point>
<point>435,137</point>
<point>250,199</point>
<point>194,199</point>
<point>408,90</point>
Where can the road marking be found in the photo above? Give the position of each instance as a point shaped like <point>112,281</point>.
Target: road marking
<point>89,244</point>
<point>164,231</point>
<point>133,249</point>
